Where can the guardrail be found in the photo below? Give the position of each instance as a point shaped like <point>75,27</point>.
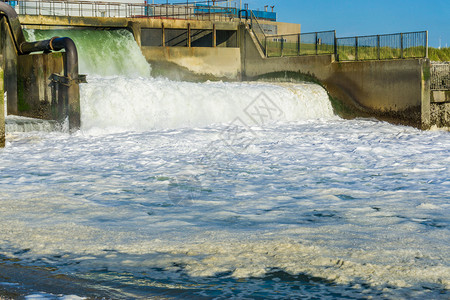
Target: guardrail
<point>440,76</point>
<point>258,31</point>
<point>312,43</point>
<point>386,46</point>
<point>190,10</point>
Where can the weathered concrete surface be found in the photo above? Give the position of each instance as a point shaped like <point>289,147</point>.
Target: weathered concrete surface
<point>37,95</point>
<point>392,89</point>
<point>440,114</point>
<point>440,96</point>
<point>219,62</point>
<point>2,112</point>
<point>46,22</point>
<point>440,108</point>
<point>9,61</point>
<point>282,28</point>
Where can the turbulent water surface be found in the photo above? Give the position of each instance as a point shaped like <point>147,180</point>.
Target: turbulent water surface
<point>222,190</point>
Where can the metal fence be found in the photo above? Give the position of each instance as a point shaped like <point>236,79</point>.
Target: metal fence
<point>313,43</point>
<point>386,46</point>
<point>258,31</point>
<point>190,10</point>
<point>440,76</point>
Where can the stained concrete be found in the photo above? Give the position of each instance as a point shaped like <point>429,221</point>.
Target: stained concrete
<point>9,62</point>
<point>440,108</point>
<point>2,112</point>
<point>218,62</point>
<point>395,90</point>
<point>37,94</point>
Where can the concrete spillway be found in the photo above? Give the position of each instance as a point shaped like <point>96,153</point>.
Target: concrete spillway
<point>121,94</point>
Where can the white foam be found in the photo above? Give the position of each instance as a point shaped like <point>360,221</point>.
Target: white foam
<point>300,201</point>
<point>14,124</point>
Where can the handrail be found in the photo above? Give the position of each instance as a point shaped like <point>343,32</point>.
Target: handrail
<point>258,26</point>
<point>383,46</point>
<point>299,44</point>
<point>240,14</point>
<point>54,44</point>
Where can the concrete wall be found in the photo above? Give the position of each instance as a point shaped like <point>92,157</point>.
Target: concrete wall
<point>2,112</point>
<point>46,22</point>
<point>440,108</point>
<point>9,63</point>
<point>283,28</point>
<point>37,94</point>
<point>395,90</point>
<point>219,62</point>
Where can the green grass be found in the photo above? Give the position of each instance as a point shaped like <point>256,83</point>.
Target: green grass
<point>436,54</point>
<point>291,49</point>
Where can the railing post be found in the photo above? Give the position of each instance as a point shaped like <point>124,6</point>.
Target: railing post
<point>298,44</point>
<point>317,48</point>
<point>356,48</point>
<point>265,46</point>
<point>335,46</point>
<point>163,36</point>
<point>401,45</point>
<point>189,35</point>
<point>214,35</point>
<point>426,44</point>
<point>378,48</point>
<point>282,45</point>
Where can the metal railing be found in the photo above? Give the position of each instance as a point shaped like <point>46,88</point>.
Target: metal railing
<point>312,43</point>
<point>440,76</point>
<point>190,10</point>
<point>258,31</point>
<point>386,46</point>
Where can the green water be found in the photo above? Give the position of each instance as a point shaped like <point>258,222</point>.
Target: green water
<point>101,52</point>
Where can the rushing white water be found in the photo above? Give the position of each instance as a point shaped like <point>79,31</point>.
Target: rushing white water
<point>101,52</point>
<point>230,190</point>
<point>140,104</point>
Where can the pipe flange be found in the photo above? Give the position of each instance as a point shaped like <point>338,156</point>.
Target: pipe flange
<point>51,42</point>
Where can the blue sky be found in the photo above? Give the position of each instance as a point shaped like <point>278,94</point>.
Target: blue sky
<point>362,17</point>
<point>350,18</point>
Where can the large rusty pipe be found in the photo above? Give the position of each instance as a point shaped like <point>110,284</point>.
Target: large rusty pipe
<point>57,44</point>
<point>54,44</point>
<point>14,24</point>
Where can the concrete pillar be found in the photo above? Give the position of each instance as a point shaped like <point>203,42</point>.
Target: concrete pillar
<point>426,94</point>
<point>135,28</point>
<point>189,35</point>
<point>214,36</point>
<point>2,112</point>
<point>10,64</point>
<point>163,42</point>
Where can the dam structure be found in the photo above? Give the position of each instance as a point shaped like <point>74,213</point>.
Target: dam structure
<point>208,160</point>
